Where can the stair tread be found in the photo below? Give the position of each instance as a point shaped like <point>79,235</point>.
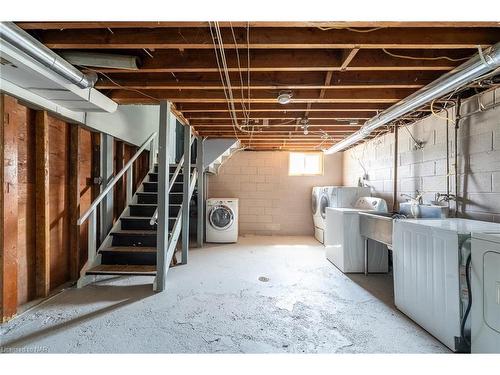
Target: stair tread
<point>156,193</point>
<point>133,231</point>
<point>129,249</point>
<point>115,269</point>
<point>153,204</point>
<point>142,217</point>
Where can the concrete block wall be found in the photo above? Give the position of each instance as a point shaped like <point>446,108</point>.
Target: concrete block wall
<point>425,169</point>
<point>271,202</point>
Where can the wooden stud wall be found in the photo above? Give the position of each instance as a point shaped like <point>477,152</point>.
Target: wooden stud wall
<point>8,210</point>
<point>47,168</point>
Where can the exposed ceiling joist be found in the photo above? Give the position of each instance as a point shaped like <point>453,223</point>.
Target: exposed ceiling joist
<point>271,38</point>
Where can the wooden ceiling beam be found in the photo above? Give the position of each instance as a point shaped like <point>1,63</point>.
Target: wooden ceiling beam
<point>338,24</point>
<point>136,85</point>
<point>348,56</point>
<point>271,38</point>
<point>295,60</point>
<point>263,96</point>
<point>276,107</point>
<point>139,99</point>
<point>281,116</point>
<point>272,122</point>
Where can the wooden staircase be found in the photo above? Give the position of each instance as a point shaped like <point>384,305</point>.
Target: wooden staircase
<point>131,246</point>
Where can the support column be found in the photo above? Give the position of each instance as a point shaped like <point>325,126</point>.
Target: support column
<point>200,185</point>
<point>106,211</point>
<point>74,201</point>
<point>185,196</point>
<point>42,219</point>
<point>8,213</point>
<point>119,203</point>
<point>395,204</point>
<point>163,182</point>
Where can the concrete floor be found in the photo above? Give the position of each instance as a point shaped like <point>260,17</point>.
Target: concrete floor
<point>263,295</point>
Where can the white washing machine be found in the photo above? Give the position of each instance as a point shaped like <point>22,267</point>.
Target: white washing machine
<point>430,263</point>
<point>485,278</point>
<point>344,245</point>
<point>335,196</point>
<point>315,196</point>
<point>222,220</point>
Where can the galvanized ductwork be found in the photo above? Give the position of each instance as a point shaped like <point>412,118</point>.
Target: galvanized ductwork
<point>482,63</point>
<point>36,50</point>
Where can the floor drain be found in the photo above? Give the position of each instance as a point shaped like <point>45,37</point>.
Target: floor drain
<point>264,279</point>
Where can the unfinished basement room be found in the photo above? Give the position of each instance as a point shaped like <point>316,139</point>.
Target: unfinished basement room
<point>188,186</point>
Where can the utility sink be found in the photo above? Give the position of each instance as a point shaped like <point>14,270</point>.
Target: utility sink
<point>378,225</point>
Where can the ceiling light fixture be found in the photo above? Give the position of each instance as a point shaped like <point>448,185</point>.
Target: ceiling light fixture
<point>304,121</point>
<point>285,97</point>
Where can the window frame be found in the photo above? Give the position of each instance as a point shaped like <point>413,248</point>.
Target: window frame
<point>303,174</point>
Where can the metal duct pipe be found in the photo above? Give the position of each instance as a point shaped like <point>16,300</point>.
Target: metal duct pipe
<point>32,47</point>
<point>482,63</point>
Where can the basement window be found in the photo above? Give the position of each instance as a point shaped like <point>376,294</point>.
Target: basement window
<point>305,164</point>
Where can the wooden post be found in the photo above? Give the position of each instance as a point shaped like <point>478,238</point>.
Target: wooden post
<point>8,213</point>
<point>185,196</point>
<point>163,182</point>
<point>74,201</point>
<point>42,219</point>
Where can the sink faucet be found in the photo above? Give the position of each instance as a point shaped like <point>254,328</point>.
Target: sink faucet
<point>444,197</point>
<point>417,199</point>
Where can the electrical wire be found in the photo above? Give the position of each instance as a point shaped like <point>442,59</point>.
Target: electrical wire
<point>350,29</point>
<point>229,102</point>
<point>469,301</point>
<point>424,58</point>
<point>243,106</point>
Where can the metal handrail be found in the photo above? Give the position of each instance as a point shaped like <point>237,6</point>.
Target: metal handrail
<point>112,183</point>
<point>154,218</point>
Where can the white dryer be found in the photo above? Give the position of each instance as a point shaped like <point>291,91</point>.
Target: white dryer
<point>485,278</point>
<point>222,220</point>
<point>344,244</point>
<point>315,196</point>
<point>335,196</point>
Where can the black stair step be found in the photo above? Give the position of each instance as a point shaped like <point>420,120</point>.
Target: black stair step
<point>152,187</point>
<point>140,238</point>
<point>148,210</point>
<point>172,167</point>
<point>151,197</point>
<point>153,177</point>
<point>177,187</point>
<point>147,197</point>
<point>130,270</point>
<point>128,255</point>
<point>175,197</point>
<point>137,223</point>
<point>141,223</point>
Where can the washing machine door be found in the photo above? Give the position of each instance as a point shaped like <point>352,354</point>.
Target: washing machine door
<point>221,217</point>
<point>314,202</point>
<point>324,202</point>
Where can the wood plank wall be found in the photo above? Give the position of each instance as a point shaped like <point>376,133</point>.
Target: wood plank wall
<point>18,204</point>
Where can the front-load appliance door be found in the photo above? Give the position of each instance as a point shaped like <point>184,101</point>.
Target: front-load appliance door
<point>221,217</point>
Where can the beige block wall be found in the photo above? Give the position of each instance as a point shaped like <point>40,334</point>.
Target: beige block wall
<point>425,169</point>
<point>271,202</point>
